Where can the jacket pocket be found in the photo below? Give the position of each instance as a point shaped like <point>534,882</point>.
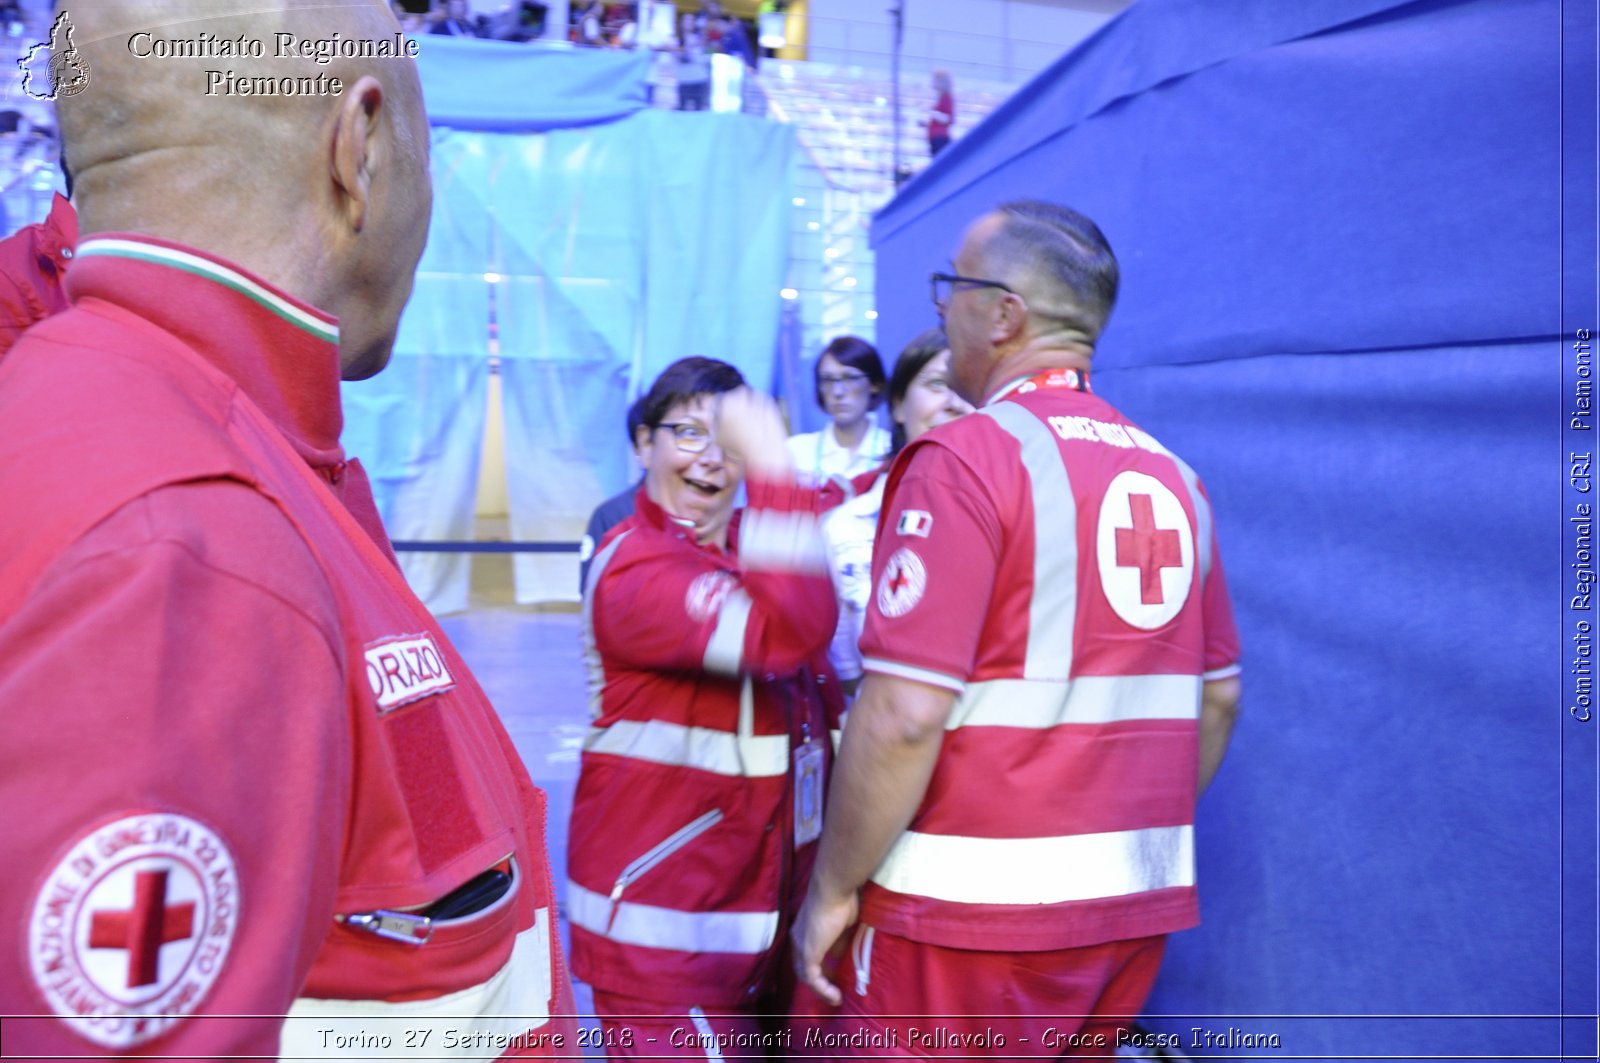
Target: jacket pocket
<point>419,926</point>
<point>647,861</point>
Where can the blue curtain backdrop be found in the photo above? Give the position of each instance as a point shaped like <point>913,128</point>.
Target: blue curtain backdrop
<point>1340,231</point>
<point>602,253</point>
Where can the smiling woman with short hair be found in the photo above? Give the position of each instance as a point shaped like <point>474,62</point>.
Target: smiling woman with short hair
<point>699,796</point>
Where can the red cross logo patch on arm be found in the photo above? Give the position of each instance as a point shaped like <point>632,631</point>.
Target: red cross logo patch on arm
<point>903,581</point>
<point>133,926</point>
<point>144,928</point>
<point>1145,550</point>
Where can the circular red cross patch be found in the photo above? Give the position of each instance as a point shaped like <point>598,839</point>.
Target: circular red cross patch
<point>132,927</point>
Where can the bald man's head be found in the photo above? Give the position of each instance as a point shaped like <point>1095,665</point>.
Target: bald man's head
<point>287,136</point>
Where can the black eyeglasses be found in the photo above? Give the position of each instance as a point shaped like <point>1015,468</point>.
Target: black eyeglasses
<point>691,438</point>
<point>944,286</point>
<point>845,380</point>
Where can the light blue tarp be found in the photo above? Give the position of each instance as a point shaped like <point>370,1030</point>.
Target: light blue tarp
<point>625,248</point>
<point>605,254</point>
<point>506,87</point>
<point>418,426</point>
<point>1341,231</point>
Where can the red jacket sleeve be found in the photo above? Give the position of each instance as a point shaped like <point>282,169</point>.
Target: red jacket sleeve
<point>32,262</point>
<point>1221,633</point>
<point>176,773</point>
<point>664,604</point>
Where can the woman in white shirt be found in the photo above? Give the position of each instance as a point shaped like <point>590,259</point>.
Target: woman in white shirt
<point>919,399</point>
<point>850,385</point>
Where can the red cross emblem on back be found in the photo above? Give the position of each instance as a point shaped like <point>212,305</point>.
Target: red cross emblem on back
<point>144,928</point>
<point>1147,548</point>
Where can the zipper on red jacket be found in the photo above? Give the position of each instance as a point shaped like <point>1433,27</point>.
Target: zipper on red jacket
<point>411,925</point>
<point>786,818</point>
<point>558,967</point>
<point>646,861</point>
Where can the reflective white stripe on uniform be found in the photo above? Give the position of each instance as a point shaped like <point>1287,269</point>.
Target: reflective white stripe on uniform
<point>515,1001</point>
<point>725,648</point>
<point>1089,699</point>
<point>861,956</point>
<point>660,742</point>
<point>707,1036</point>
<point>1078,867</point>
<point>906,671</point>
<point>1053,610</point>
<point>783,541</point>
<point>594,667</point>
<point>308,320</point>
<point>747,933</point>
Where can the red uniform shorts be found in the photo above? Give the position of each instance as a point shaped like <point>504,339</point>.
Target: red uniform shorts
<point>905,999</point>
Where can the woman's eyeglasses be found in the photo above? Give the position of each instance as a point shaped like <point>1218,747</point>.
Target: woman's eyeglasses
<point>691,438</point>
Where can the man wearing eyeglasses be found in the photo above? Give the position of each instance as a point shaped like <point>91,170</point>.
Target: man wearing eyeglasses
<point>1051,680</point>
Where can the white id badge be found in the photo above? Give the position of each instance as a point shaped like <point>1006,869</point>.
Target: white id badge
<point>807,793</point>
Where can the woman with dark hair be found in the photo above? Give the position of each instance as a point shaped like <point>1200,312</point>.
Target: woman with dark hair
<point>701,782</point>
<point>849,380</point>
<point>920,398</point>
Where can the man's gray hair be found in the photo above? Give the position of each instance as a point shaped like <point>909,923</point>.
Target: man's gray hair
<point>1063,253</point>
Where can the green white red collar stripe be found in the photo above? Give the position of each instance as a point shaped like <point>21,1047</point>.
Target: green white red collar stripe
<point>316,324</point>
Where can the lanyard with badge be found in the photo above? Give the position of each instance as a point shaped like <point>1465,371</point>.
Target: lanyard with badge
<point>808,784</point>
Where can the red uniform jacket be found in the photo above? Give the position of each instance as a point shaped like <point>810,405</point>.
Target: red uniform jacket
<point>707,675</point>
<point>1057,568</point>
<point>242,755</point>
<point>32,262</point>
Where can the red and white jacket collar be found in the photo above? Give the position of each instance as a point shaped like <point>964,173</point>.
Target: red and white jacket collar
<point>283,353</point>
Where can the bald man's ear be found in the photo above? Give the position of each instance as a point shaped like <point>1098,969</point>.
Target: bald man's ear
<point>355,148</point>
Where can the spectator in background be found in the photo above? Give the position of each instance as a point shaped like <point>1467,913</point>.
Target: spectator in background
<point>591,25</point>
<point>709,22</point>
<point>410,21</point>
<point>529,23</point>
<point>663,61</point>
<point>943,114</point>
<point>920,398</point>
<point>694,66</point>
<point>617,508</point>
<point>849,380</point>
<point>457,21</point>
<point>734,39</point>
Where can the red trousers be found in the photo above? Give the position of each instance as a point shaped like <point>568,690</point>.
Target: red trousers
<point>631,1028</point>
<point>908,1000</point>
